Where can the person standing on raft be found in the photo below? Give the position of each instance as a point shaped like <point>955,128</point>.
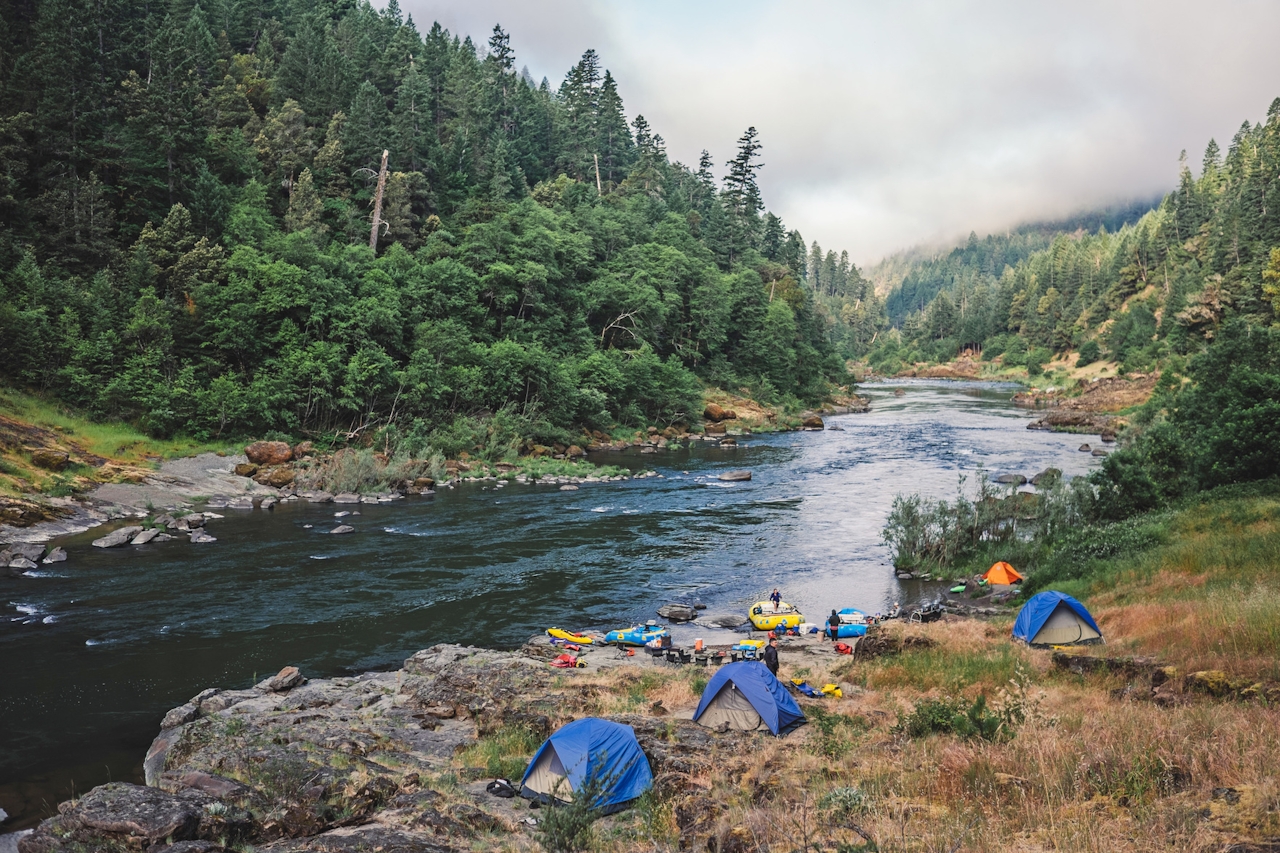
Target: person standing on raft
<point>776,598</point>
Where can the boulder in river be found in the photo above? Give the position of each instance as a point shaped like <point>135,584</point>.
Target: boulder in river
<point>1011,479</point>
<point>343,528</point>
<point>813,422</point>
<point>30,550</point>
<point>569,488</point>
<point>346,498</point>
<point>21,563</point>
<point>1047,478</point>
<point>200,537</point>
<point>145,536</point>
<point>678,612</point>
<point>1084,448</point>
<point>735,476</point>
<point>727,620</point>
<point>269,452</point>
<point>116,538</point>
<point>713,412</point>
<point>1100,452</point>
<point>57,555</point>
<point>238,503</point>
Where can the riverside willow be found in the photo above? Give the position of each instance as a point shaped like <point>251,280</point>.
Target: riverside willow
<point>185,194</point>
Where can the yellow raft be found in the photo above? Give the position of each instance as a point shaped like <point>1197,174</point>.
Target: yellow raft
<point>765,618</point>
<point>562,634</point>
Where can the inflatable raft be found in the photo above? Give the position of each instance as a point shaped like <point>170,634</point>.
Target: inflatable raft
<point>764,618</point>
<point>562,634</point>
<point>637,635</point>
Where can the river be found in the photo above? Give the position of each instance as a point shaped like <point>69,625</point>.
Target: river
<point>93,651</point>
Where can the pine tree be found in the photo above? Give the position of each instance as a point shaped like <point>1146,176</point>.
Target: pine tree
<point>613,140</point>
<point>306,207</point>
<point>741,196</point>
<point>365,133</point>
<point>285,144</point>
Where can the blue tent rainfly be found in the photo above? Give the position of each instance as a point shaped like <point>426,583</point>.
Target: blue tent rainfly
<point>586,749</point>
<point>1055,619</point>
<point>746,696</point>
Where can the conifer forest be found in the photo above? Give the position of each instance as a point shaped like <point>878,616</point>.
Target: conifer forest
<point>198,235</point>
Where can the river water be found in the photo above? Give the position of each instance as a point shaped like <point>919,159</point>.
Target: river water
<point>93,651</point>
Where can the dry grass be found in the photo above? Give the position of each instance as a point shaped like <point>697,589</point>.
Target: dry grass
<point>1094,773</point>
<point>1207,599</point>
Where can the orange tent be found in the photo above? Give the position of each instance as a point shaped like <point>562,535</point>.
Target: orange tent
<point>1002,572</point>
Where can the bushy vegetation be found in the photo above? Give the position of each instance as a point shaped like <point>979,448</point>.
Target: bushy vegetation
<point>186,240</point>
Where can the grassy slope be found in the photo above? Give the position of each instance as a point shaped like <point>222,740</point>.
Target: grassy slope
<point>1207,596</point>
<point>100,452</point>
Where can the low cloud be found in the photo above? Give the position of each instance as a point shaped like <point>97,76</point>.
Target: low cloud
<point>891,124</point>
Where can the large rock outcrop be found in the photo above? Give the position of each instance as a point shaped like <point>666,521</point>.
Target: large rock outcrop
<point>269,452</point>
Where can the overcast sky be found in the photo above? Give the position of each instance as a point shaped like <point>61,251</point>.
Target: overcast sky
<point>892,123</point>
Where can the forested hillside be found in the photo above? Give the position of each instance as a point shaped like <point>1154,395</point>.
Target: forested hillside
<point>1154,290</point>
<point>186,199</point>
<point>911,279</point>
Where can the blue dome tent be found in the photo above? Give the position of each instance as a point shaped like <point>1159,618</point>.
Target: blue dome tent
<point>1055,619</point>
<point>746,696</point>
<point>590,748</point>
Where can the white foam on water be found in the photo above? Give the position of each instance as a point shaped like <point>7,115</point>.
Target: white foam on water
<point>94,642</point>
<point>27,609</point>
<point>601,508</point>
<point>49,620</point>
<point>321,557</point>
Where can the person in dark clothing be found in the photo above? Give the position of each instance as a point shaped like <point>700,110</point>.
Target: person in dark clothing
<point>771,656</point>
<point>833,625</point>
<point>776,598</point>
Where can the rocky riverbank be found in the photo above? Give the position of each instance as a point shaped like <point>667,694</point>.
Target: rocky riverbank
<point>400,761</point>
<point>1095,410</point>
<point>388,761</point>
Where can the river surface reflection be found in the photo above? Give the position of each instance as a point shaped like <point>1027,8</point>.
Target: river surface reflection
<point>94,651</point>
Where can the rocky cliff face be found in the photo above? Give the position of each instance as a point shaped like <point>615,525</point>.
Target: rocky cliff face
<point>345,764</point>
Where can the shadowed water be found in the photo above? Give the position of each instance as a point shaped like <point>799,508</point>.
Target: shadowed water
<point>94,651</point>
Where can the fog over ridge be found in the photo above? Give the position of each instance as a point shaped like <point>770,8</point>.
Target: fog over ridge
<point>890,125</point>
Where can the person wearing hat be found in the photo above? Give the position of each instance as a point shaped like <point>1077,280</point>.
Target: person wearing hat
<point>771,656</point>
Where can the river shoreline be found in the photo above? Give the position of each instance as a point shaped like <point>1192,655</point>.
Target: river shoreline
<point>486,563</point>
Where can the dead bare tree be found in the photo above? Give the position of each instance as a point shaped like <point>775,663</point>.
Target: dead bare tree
<point>377,203</point>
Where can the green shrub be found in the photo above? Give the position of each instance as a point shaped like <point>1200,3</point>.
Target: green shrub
<point>951,716</point>
<point>1089,353</point>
